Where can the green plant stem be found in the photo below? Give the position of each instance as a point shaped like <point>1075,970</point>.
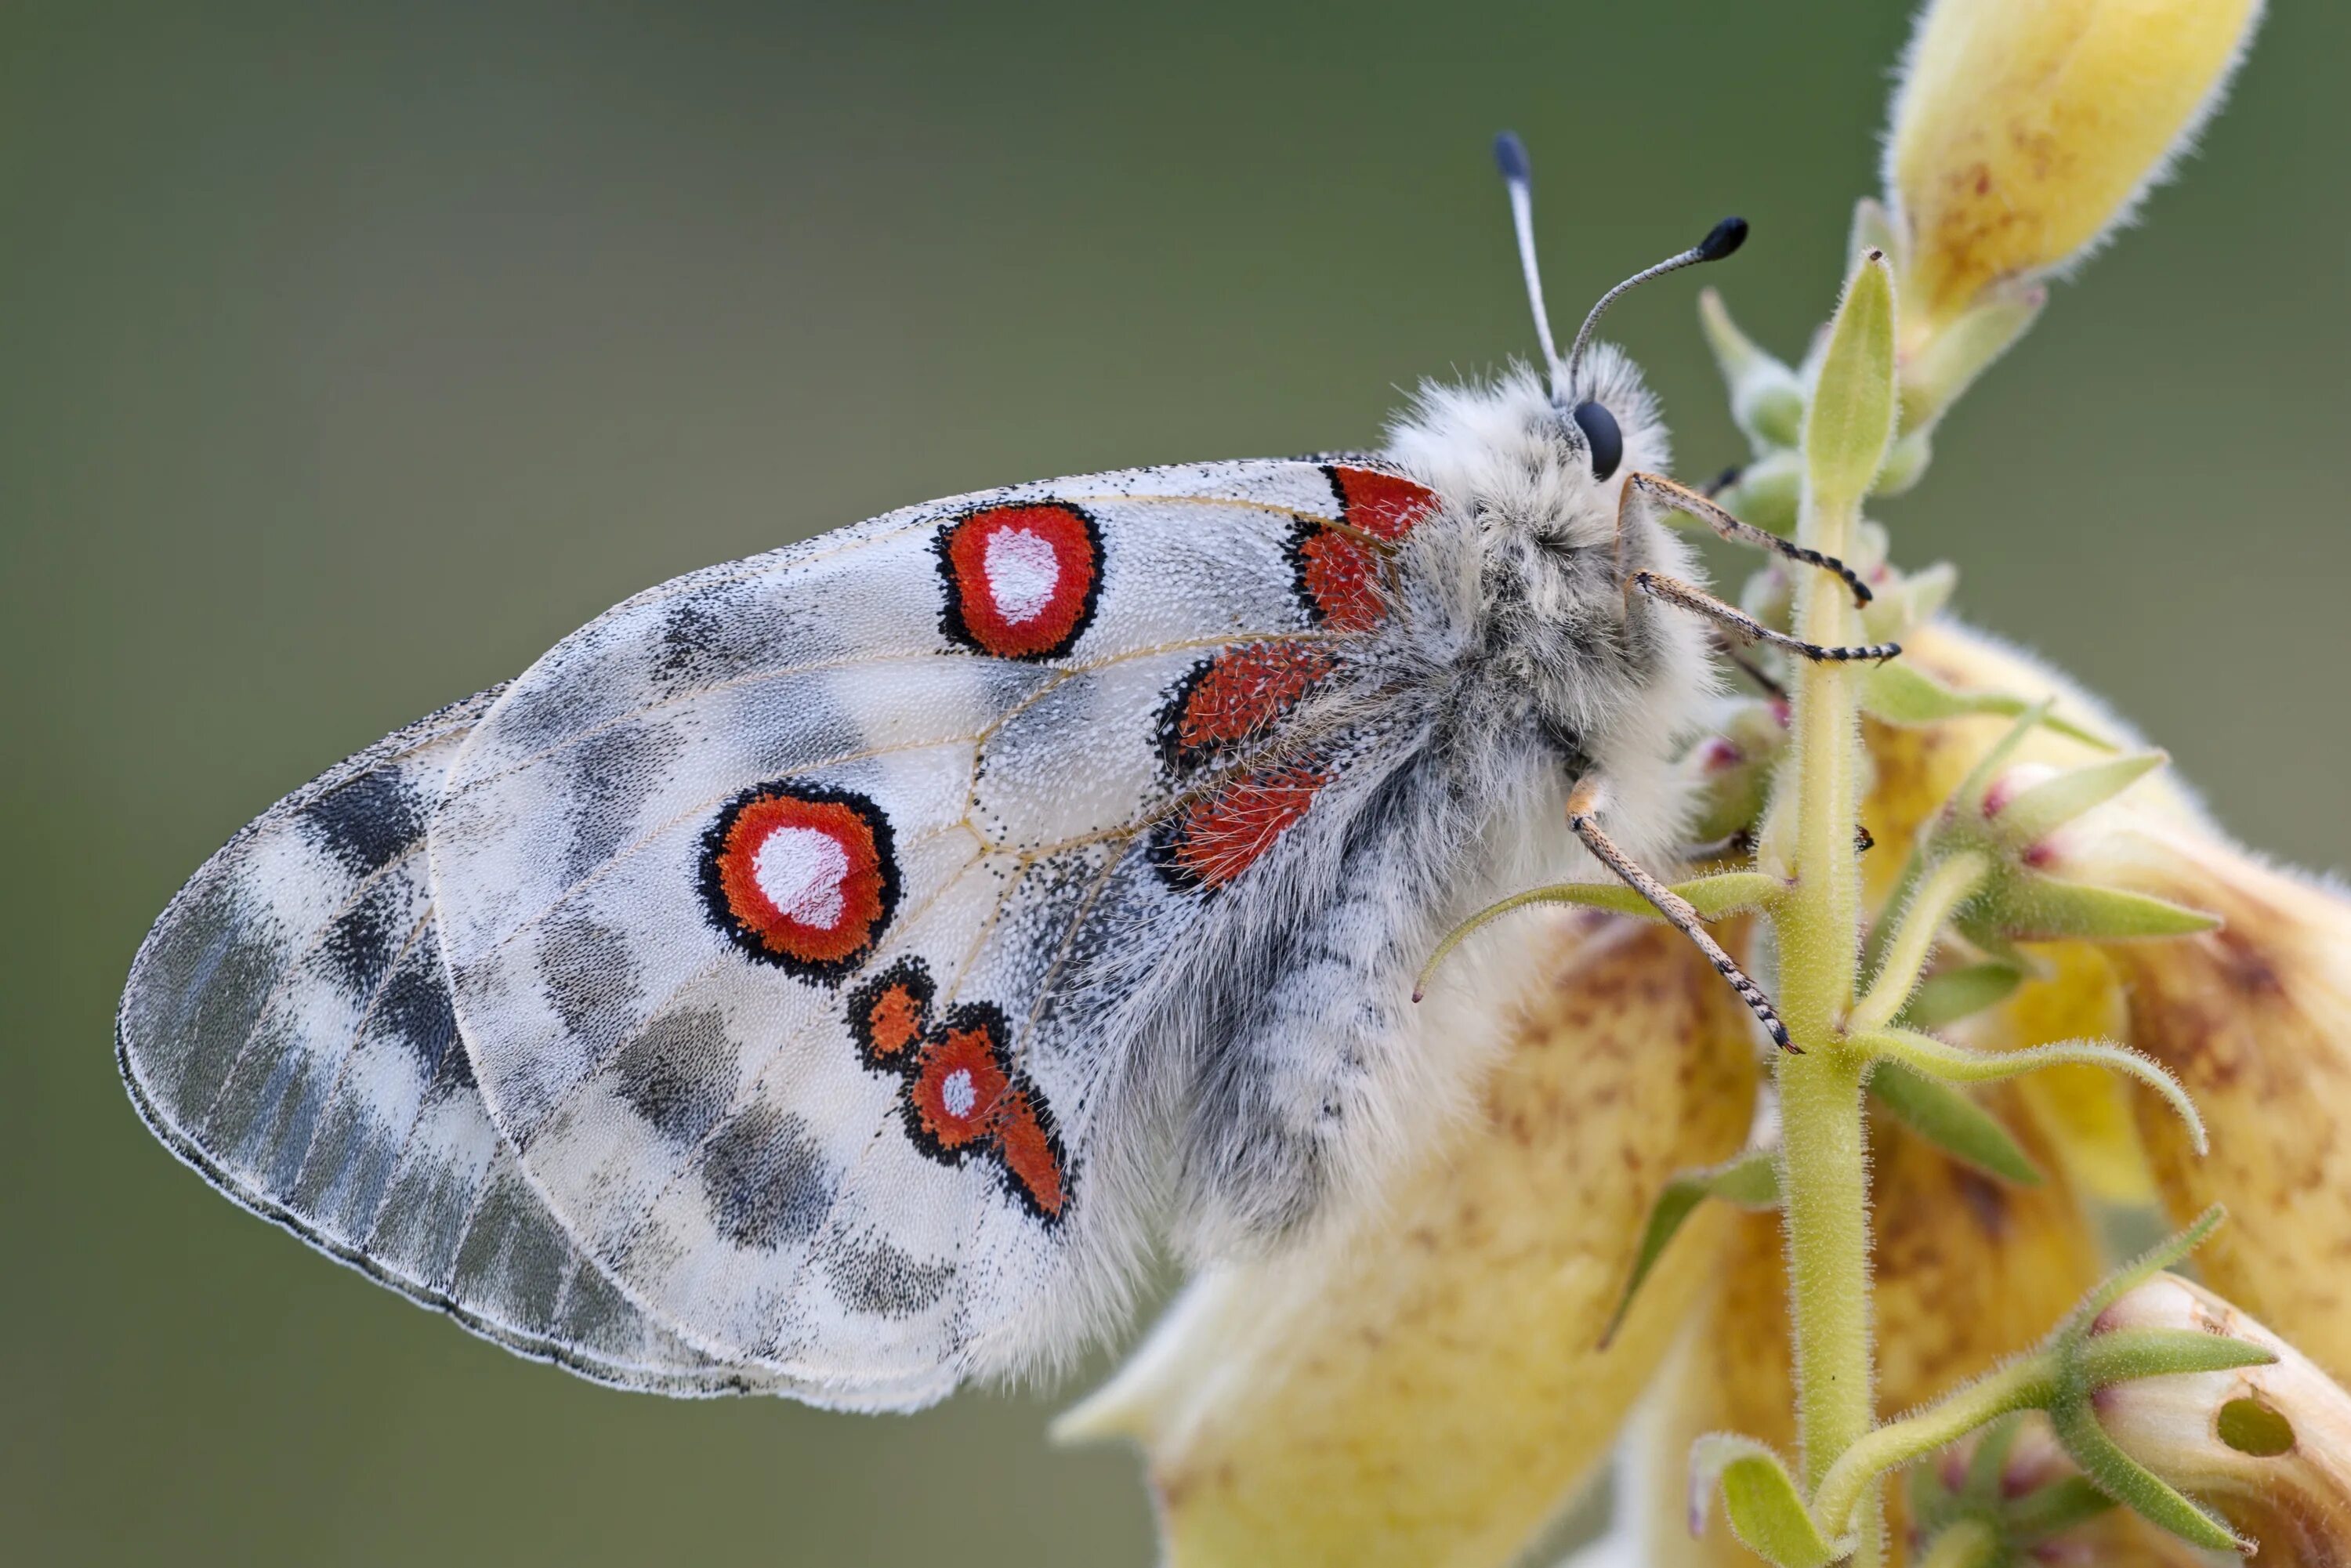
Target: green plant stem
<point>2025,1384</point>
<point>1814,818</point>
<point>1825,1180</point>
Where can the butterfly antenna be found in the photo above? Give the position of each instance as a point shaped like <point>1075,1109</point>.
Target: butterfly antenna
<point>1720,241</point>
<point>1518,176</point>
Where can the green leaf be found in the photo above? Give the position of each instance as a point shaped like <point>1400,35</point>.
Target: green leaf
<point>2054,802</point>
<point>1850,419</point>
<point>1963,992</point>
<point>1953,1122</point>
<point>2034,908</point>
<point>1902,694</point>
<point>1758,1497</point>
<point>1752,1181</point>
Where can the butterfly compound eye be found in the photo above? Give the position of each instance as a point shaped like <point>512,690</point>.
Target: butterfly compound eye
<point>1601,433</point>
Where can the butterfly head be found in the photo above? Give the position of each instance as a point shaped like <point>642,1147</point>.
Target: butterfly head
<point>1588,389</point>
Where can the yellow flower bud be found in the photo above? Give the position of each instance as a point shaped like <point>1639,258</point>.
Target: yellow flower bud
<point>2025,129</point>
<point>1428,1387</point>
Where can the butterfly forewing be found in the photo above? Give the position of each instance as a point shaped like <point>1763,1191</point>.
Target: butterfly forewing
<point>686,859</point>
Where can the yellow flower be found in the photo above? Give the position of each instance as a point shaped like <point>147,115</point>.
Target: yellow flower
<point>2025,129</point>
<point>1429,1385</point>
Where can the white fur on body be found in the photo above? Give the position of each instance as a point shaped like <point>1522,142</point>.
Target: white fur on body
<point>1225,1067</point>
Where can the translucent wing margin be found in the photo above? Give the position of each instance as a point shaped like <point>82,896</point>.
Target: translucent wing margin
<point>286,1031</point>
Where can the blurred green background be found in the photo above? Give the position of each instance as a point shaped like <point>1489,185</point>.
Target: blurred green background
<point>353,355</point>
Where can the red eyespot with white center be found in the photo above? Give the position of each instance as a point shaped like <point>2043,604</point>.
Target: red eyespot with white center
<point>801,877</point>
<point>1022,581</point>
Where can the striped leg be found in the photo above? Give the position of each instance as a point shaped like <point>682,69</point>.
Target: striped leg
<point>1682,499</point>
<point>1673,590</point>
<point>1584,804</point>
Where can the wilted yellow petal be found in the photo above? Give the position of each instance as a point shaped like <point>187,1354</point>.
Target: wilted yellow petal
<point>2023,129</point>
<point>1428,1387</point>
<point>2255,1020</point>
<point>1969,1271</point>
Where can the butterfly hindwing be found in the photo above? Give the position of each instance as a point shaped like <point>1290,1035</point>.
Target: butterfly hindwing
<point>763,895</point>
<point>288,1030</point>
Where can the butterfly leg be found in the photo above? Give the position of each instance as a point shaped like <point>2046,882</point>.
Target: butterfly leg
<point>1583,805</point>
<point>1673,590</point>
<point>1682,499</point>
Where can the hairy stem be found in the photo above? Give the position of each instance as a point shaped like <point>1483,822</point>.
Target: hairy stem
<point>1817,812</point>
<point>2025,1384</point>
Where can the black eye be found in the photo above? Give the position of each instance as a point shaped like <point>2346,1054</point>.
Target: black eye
<point>1600,433</point>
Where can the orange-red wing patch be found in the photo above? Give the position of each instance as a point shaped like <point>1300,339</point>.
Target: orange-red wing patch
<point>1384,506</point>
<point>1236,697</point>
<point>1338,573</point>
<point>1031,1153</point>
<point>800,877</point>
<point>1022,581</point>
<point>1222,835</point>
<point>890,1013</point>
<point>962,1095</point>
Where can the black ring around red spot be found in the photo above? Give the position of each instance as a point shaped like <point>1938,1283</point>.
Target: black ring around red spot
<point>1022,580</point>
<point>843,847</point>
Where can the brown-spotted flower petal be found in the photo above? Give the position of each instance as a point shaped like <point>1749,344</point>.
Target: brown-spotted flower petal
<point>2255,1020</point>
<point>1427,1385</point>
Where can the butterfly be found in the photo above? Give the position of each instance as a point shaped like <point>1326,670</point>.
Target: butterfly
<point>831,973</point>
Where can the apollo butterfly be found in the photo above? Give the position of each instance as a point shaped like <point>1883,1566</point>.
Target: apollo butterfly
<point>821,973</point>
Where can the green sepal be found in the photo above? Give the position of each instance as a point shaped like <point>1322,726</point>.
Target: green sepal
<point>1850,420</point>
<point>1725,892</point>
<point>1766,493</point>
<point>1767,401</point>
<point>1953,994</point>
<point>1952,1121</point>
<point>1730,769</point>
<point>1964,349</point>
<point>2132,1484</point>
<point>1905,462</point>
<point>2041,808</point>
<point>1909,604</point>
<point>1752,1181</point>
<point>2054,1510</point>
<point>1931,1056</point>
<point>1760,1499</point>
<point>1900,694</point>
<point>2119,1355</point>
<point>2028,907</point>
